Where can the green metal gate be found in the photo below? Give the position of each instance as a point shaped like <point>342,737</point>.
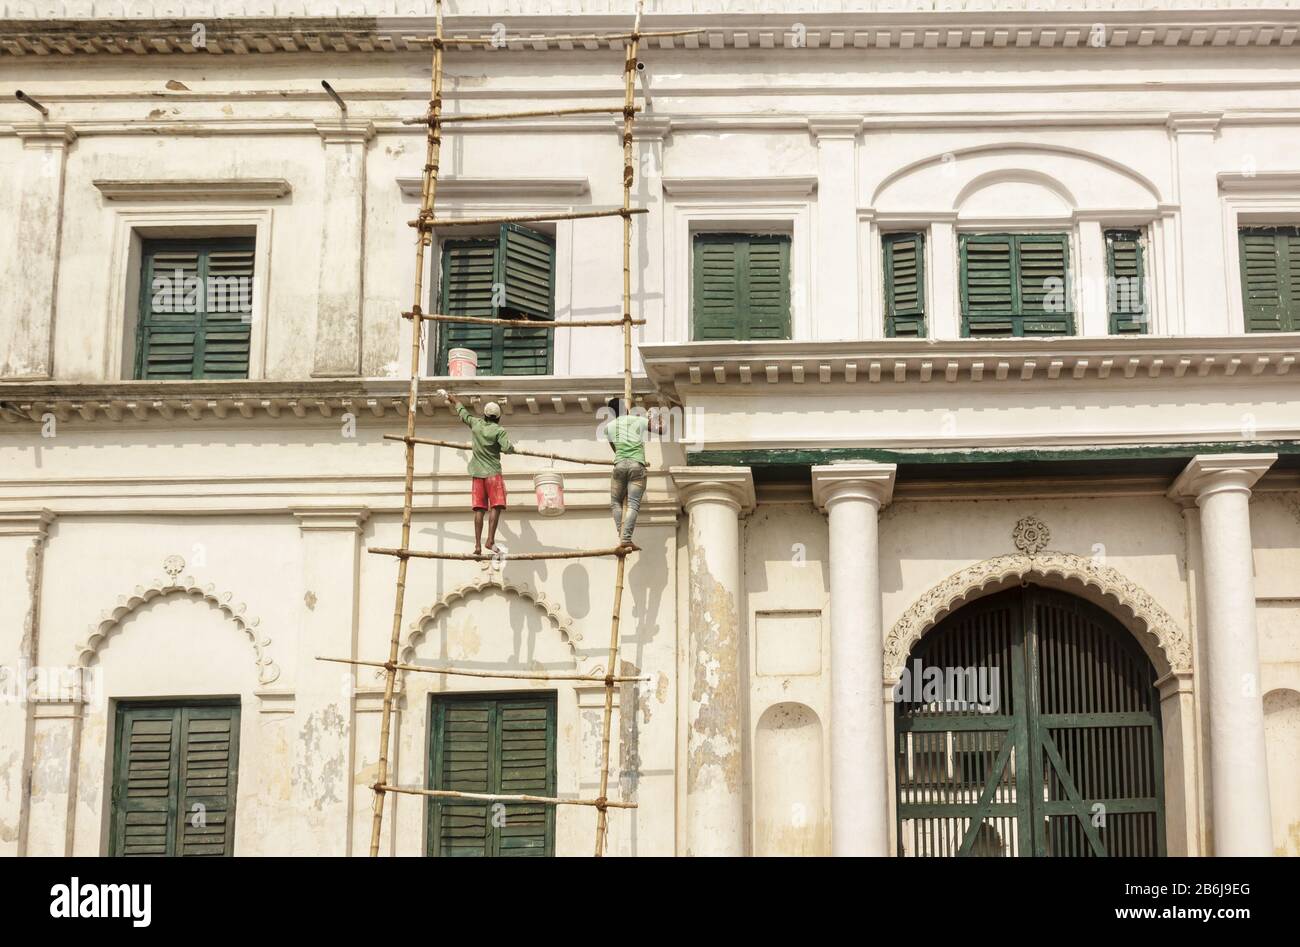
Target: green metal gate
<point>1028,723</point>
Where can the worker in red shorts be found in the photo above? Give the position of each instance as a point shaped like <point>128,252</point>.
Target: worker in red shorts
<point>489,489</point>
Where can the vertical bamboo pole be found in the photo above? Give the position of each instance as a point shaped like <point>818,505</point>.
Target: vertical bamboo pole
<point>424,238</point>
<point>629,175</point>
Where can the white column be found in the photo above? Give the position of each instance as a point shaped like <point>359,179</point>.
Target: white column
<point>22,545</point>
<point>27,331</point>
<point>942,302</point>
<point>323,712</point>
<point>1220,484</point>
<point>835,305</point>
<point>852,495</point>
<point>1093,317</point>
<point>1200,221</point>
<point>342,246</point>
<point>648,136</point>
<point>714,498</point>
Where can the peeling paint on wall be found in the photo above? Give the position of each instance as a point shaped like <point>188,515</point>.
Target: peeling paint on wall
<point>715,687</point>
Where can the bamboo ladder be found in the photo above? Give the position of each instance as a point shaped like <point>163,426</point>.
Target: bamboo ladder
<point>425,224</point>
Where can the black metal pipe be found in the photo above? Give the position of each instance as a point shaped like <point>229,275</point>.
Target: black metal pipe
<point>338,100</point>
<point>22,96</point>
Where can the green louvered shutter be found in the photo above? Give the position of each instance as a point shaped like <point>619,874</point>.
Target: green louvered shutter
<point>904,285</point>
<point>1015,284</point>
<point>210,748</point>
<point>174,780</point>
<point>527,273</point>
<point>510,277</point>
<point>1270,278</point>
<point>741,286</point>
<point>195,309</point>
<point>501,745</point>
<point>1126,290</point>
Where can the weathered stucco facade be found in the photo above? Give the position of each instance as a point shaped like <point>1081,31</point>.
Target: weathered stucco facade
<point>829,499</point>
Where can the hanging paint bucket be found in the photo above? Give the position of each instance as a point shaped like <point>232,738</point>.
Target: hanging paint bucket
<point>462,363</point>
<point>550,493</point>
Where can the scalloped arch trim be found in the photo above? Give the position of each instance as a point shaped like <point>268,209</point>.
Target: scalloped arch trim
<point>563,623</point>
<point>267,670</point>
<point>961,587</point>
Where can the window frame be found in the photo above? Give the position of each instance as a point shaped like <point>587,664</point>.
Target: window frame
<point>697,238</point>
<point>1274,230</point>
<point>1068,237</point>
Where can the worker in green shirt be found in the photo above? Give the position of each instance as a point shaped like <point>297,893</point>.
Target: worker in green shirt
<point>487,488</point>
<point>627,434</point>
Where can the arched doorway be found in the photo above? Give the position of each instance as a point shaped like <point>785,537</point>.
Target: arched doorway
<point>1027,723</point>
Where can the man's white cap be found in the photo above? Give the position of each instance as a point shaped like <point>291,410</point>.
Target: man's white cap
<point>491,410</point>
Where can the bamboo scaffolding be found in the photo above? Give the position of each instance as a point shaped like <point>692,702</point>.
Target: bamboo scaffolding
<point>506,675</point>
<point>535,113</point>
<point>544,324</point>
<point>518,450</point>
<point>498,797</point>
<point>405,553</point>
<point>491,40</point>
<point>427,222</point>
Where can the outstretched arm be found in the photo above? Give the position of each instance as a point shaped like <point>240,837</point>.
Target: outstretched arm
<point>461,411</point>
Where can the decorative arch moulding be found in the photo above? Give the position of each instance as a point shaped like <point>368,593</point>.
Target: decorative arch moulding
<point>971,583</point>
<point>173,583</point>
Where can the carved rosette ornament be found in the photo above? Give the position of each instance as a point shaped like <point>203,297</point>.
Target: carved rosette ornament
<point>1031,535</point>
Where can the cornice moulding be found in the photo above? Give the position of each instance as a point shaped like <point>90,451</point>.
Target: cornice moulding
<point>501,189</point>
<point>1261,181</point>
<point>194,189</point>
<point>773,186</point>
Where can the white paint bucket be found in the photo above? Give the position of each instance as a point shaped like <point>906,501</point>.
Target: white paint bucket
<point>462,363</point>
<point>549,487</point>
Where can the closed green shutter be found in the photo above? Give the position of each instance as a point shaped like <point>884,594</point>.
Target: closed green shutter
<point>1270,278</point>
<point>174,780</point>
<point>1016,284</point>
<point>741,286</point>
<point>509,277</point>
<point>1126,292</point>
<point>904,285</point>
<point>500,745</point>
<point>195,309</point>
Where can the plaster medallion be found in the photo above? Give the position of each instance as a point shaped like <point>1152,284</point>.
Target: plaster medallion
<point>1031,535</point>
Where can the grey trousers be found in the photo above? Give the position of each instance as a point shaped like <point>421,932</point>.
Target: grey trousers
<point>628,482</point>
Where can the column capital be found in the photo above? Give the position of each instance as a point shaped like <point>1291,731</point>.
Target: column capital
<point>649,127</point>
<point>733,486</point>
<point>830,127</point>
<point>1208,474</point>
<point>45,134</point>
<point>320,519</point>
<point>345,131</point>
<point>35,523</point>
<point>1194,123</point>
<point>872,483</point>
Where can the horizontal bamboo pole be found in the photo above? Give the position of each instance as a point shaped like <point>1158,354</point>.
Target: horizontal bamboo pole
<point>519,38</point>
<point>619,551</point>
<point>430,224</point>
<point>511,675</point>
<point>528,453</point>
<point>497,797</point>
<point>537,113</point>
<point>546,324</point>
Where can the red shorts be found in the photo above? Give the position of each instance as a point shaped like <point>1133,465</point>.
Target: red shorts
<point>489,491</point>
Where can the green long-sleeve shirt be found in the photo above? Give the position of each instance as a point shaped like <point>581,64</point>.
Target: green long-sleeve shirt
<point>489,440</point>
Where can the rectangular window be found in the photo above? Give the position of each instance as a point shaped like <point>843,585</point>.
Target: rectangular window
<point>904,285</point>
<point>1016,284</point>
<point>1270,278</point>
<point>174,774</point>
<point>196,306</point>
<point>492,744</point>
<point>741,286</point>
<point>509,276</point>
<point>1125,289</point>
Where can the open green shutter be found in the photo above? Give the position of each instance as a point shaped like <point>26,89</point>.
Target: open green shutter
<point>741,286</point>
<point>195,309</point>
<point>1126,292</point>
<point>145,779</point>
<point>904,285</point>
<point>468,272</point>
<point>1270,278</point>
<point>210,748</point>
<point>503,745</point>
<point>1016,284</point>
